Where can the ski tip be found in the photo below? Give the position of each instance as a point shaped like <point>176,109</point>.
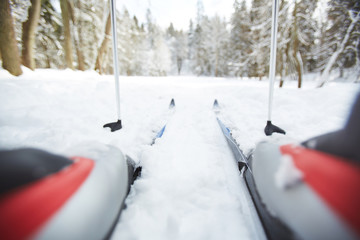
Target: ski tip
<point>172,103</point>
<point>216,104</point>
<point>270,129</point>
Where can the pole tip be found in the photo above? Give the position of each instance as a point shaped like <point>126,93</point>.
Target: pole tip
<point>114,126</point>
<point>270,129</point>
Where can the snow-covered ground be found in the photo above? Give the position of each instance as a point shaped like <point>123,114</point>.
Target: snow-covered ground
<point>190,187</point>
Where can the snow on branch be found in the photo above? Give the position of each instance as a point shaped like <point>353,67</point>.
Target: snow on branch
<point>262,25</point>
<point>355,17</point>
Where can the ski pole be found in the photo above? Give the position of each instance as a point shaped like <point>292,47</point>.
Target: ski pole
<point>114,126</point>
<point>270,128</point>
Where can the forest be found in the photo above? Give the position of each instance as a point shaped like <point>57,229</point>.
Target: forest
<point>35,34</point>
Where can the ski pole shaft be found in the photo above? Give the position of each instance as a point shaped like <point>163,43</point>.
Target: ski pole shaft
<point>270,128</point>
<point>274,26</point>
<point>115,56</point>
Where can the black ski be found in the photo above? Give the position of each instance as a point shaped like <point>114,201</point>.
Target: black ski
<point>273,227</point>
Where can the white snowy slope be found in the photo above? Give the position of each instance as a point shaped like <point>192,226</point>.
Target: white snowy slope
<point>302,113</point>
<point>190,187</point>
<point>59,110</point>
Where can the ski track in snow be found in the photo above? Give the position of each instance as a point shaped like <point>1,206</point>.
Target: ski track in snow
<point>189,182</point>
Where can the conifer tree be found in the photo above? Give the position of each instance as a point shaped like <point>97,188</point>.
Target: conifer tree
<point>240,39</point>
<point>342,37</point>
<point>284,68</point>
<point>191,43</point>
<point>181,50</point>
<point>260,16</point>
<point>219,47</point>
<point>49,51</point>
<point>302,35</point>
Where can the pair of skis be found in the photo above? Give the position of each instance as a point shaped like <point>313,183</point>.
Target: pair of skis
<point>241,159</point>
<point>242,163</point>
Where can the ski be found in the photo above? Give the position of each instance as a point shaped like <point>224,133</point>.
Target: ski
<point>264,222</point>
<point>136,168</point>
<point>239,155</point>
<point>162,130</point>
<point>259,171</point>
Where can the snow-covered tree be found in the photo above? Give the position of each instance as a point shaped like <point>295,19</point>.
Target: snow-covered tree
<point>177,43</point>
<point>191,40</point>
<point>158,54</point>
<point>342,42</point>
<point>172,42</point>
<point>49,51</point>
<point>219,47</point>
<point>260,16</point>
<point>131,45</point>
<point>77,31</point>
<point>199,12</point>
<point>91,18</point>
<point>140,51</point>
<point>159,57</point>
<point>201,55</point>
<point>151,28</point>
<point>19,12</point>
<point>101,58</point>
<point>208,45</point>
<point>240,40</point>
<point>283,66</point>
<point>302,35</point>
<point>126,45</point>
<point>181,50</point>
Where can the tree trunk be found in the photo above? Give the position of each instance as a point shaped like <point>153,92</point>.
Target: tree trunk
<point>81,64</point>
<point>103,47</point>
<point>281,83</point>
<point>8,48</point>
<point>217,63</point>
<point>299,67</point>
<point>179,64</point>
<point>67,33</point>
<point>282,70</point>
<point>295,50</point>
<point>77,36</point>
<point>28,34</point>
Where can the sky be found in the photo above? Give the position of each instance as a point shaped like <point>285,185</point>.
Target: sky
<point>179,12</point>
<point>175,11</point>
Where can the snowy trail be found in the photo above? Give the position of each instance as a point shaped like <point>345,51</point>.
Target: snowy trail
<point>190,186</point>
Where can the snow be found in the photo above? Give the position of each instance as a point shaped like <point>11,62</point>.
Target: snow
<point>287,174</point>
<point>190,186</point>
<point>188,183</point>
